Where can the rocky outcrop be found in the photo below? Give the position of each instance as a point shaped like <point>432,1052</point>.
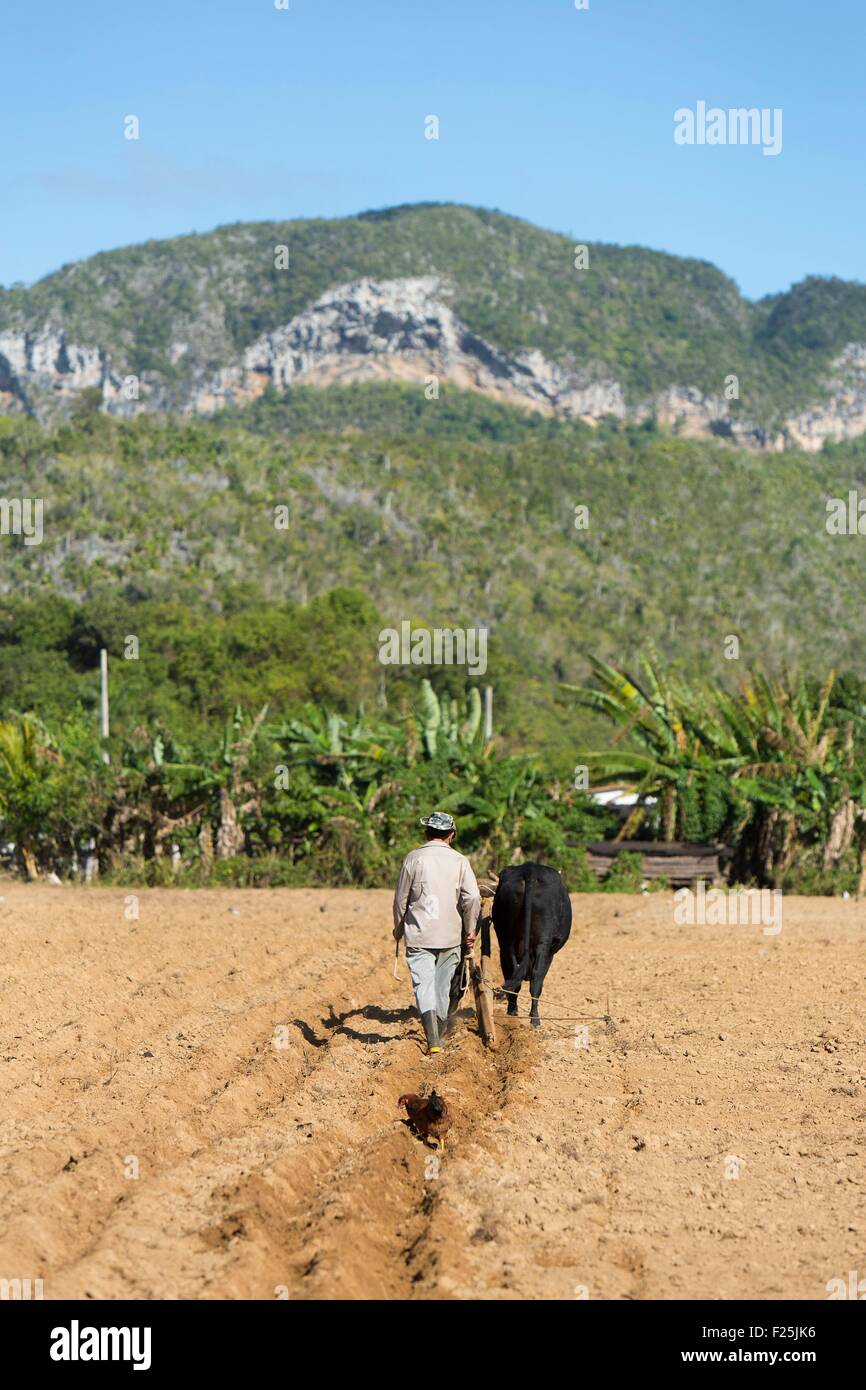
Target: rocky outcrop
<point>842,415</point>
<point>405,329</point>
<point>685,411</point>
<point>839,415</point>
<point>44,368</point>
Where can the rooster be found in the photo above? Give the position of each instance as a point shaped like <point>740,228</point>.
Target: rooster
<point>429,1117</point>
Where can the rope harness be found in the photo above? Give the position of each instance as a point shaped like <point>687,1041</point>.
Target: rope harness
<point>554,1018</point>
<point>499,990</point>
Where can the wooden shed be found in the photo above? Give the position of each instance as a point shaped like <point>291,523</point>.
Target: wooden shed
<point>679,861</point>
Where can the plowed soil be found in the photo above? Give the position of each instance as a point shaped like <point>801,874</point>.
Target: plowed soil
<point>201,1103</point>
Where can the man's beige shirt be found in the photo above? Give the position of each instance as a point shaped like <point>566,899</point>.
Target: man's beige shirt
<point>437,897</point>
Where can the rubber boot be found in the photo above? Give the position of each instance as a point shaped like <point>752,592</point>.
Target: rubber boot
<point>445,1025</point>
<point>431,1030</point>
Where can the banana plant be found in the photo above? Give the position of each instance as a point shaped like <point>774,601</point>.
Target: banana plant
<point>771,753</point>
<point>346,750</point>
<point>29,785</point>
<point>681,747</point>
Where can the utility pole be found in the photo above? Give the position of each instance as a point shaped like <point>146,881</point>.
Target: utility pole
<point>103,675</point>
<point>488,713</point>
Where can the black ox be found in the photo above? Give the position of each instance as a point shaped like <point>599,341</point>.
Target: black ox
<point>532,921</point>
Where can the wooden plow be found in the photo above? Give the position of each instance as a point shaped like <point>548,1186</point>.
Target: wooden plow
<point>477,972</point>
<point>482,985</point>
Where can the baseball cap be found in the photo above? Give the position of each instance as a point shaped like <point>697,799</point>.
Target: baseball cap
<point>439,820</point>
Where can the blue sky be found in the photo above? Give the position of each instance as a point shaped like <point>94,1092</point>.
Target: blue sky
<point>561,116</point>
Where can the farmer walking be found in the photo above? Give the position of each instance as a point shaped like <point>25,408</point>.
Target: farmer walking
<point>436,906</point>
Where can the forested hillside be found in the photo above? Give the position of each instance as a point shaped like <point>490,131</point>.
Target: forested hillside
<point>460,514</point>
<point>176,308</point>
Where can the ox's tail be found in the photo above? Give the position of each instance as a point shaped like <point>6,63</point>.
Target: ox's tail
<point>522,970</point>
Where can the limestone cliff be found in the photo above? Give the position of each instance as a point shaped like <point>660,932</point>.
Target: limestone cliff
<point>405,329</point>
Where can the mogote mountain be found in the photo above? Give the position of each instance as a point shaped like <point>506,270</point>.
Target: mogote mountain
<point>438,294</point>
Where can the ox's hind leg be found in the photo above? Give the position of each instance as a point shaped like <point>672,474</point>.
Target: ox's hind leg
<point>538,969</point>
<point>510,986</point>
